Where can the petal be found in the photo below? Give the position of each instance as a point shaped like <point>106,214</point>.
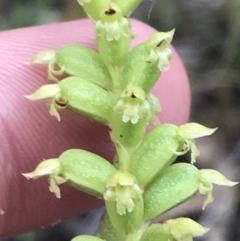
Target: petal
<point>215,177</point>
<point>44,92</point>
<point>157,39</point>
<point>53,187</point>
<point>45,168</point>
<point>52,72</point>
<point>53,110</point>
<point>194,151</point>
<point>43,57</point>
<point>194,130</point>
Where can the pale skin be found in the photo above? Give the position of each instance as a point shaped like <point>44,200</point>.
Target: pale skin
<point>28,134</point>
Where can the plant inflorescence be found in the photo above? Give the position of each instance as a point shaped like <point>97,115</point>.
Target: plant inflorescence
<point>113,87</point>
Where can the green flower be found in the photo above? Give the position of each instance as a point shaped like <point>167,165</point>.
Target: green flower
<point>134,105</point>
<point>208,177</point>
<point>52,94</point>
<point>112,24</point>
<point>188,133</point>
<point>51,168</point>
<point>48,58</point>
<point>122,188</point>
<point>180,229</point>
<point>156,49</point>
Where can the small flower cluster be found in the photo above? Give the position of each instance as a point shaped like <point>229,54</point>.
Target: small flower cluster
<point>113,87</point>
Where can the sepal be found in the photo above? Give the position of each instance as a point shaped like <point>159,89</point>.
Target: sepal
<point>208,177</point>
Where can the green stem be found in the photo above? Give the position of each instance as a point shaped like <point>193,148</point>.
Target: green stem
<point>116,79</point>
<point>132,236</point>
<point>123,156</point>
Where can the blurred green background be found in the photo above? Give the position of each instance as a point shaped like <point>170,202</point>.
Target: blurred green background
<point>208,40</point>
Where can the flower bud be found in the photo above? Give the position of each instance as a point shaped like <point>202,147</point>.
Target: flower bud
<point>113,36</point>
<point>123,199</point>
<point>107,231</point>
<point>170,188</point>
<point>86,238</point>
<point>154,153</point>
